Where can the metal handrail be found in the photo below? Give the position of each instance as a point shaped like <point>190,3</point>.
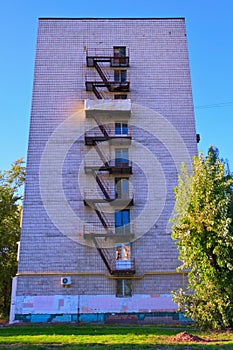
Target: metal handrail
<point>111,228</point>
<point>103,52</point>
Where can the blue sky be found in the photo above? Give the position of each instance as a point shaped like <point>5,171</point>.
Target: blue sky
<point>210,43</point>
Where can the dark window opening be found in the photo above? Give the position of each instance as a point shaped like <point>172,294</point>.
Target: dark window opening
<point>120,76</point>
<point>119,51</point>
<point>120,97</point>
<point>123,288</point>
<point>120,58</point>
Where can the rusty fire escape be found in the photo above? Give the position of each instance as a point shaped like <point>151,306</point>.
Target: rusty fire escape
<point>107,166</point>
<point>111,85</point>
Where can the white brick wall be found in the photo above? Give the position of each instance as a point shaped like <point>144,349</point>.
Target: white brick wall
<point>160,83</point>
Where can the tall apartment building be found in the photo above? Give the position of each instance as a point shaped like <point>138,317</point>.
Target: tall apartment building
<point>112,120</point>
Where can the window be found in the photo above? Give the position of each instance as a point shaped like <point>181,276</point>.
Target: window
<point>121,187</point>
<point>121,128</point>
<point>120,76</point>
<point>122,222</point>
<point>119,51</point>
<point>123,256</point>
<point>121,156</point>
<point>123,288</point>
<point>120,97</point>
<point>123,251</point>
<point>119,57</point>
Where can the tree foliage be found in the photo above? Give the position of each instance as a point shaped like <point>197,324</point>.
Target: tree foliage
<point>203,231</point>
<point>11,182</point>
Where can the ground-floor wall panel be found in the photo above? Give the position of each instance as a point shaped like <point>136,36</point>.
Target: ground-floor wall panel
<point>96,308</point>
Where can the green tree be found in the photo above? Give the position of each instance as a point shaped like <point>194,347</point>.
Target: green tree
<point>11,182</point>
<point>203,231</point>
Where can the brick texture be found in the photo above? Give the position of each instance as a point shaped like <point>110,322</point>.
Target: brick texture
<point>163,135</point>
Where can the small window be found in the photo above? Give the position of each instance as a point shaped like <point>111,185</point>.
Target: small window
<point>121,187</point>
<point>121,128</point>
<point>122,218</point>
<point>123,253</point>
<point>122,226</point>
<point>119,51</point>
<point>119,57</point>
<point>120,97</point>
<point>122,156</point>
<point>123,288</point>
<point>120,76</point>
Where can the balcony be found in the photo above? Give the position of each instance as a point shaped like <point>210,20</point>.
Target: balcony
<point>116,234</point>
<point>115,266</point>
<point>124,267</point>
<point>113,86</point>
<point>91,198</point>
<point>111,166</point>
<point>120,167</point>
<point>114,61</point>
<point>121,108</point>
<point>93,136</point>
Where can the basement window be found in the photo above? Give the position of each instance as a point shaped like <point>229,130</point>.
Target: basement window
<point>123,288</point>
<point>120,97</point>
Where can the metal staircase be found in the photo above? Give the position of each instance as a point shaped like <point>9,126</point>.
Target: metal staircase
<point>112,86</point>
<point>102,185</point>
<point>107,166</point>
<point>103,219</point>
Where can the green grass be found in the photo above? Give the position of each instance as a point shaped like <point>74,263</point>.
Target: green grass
<point>62,336</point>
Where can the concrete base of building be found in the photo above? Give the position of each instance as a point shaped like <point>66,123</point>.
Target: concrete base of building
<point>106,318</point>
<point>139,308</point>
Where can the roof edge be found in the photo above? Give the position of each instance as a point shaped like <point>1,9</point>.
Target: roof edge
<point>111,18</point>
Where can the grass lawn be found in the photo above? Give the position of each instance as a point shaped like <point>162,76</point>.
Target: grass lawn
<point>60,336</point>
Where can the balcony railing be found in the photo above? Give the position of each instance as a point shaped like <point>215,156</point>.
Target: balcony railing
<point>113,86</point>
<point>91,197</point>
<point>106,55</point>
<point>117,234</point>
<point>111,166</point>
<point>126,266</point>
<point>93,136</point>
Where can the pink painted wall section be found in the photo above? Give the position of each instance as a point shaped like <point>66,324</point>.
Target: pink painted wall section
<point>93,304</point>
